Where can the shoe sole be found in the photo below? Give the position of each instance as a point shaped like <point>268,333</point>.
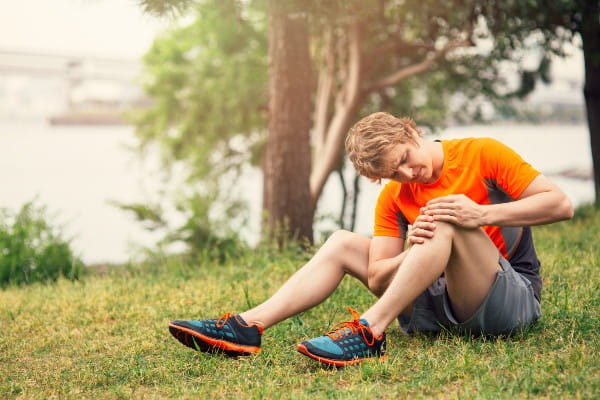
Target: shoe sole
<point>200,342</point>
<point>338,363</point>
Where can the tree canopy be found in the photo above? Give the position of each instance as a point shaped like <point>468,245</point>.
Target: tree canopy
<point>430,59</point>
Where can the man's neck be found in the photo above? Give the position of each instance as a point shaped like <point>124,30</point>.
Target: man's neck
<point>437,152</point>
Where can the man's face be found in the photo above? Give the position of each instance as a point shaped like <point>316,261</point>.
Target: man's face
<point>408,162</point>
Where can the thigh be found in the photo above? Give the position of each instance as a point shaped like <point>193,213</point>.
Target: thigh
<point>510,306</point>
<point>471,271</point>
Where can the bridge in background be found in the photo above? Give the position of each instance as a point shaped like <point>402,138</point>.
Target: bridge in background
<point>68,66</point>
<point>90,84</point>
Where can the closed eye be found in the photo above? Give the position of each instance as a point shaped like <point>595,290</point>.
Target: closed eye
<point>404,158</point>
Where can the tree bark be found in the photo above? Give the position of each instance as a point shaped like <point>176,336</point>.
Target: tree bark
<point>286,190</point>
<point>590,36</point>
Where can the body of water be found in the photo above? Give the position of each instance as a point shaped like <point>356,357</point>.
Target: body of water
<point>78,171</point>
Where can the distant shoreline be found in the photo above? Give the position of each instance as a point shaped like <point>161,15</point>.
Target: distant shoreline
<point>87,119</point>
<point>579,173</point>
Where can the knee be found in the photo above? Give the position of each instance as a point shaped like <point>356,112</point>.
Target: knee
<point>340,242</point>
<point>445,229</point>
<point>341,238</point>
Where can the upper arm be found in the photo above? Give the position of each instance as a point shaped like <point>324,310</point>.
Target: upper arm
<point>557,204</point>
<point>520,180</point>
<point>384,247</point>
<point>390,226</point>
<point>540,184</point>
<point>506,168</point>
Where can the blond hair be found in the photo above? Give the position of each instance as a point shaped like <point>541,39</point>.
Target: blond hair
<point>370,138</point>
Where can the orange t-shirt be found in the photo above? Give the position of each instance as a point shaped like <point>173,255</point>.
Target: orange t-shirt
<point>483,169</point>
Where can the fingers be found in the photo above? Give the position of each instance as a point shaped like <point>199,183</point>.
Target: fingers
<point>415,240</point>
<point>423,228</point>
<point>456,209</point>
<point>447,208</point>
<point>422,232</point>
<point>446,217</point>
<point>441,210</point>
<point>418,236</point>
<point>451,198</point>
<point>424,223</point>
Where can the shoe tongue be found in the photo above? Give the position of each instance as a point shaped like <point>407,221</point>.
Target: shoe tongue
<point>240,319</point>
<point>364,322</point>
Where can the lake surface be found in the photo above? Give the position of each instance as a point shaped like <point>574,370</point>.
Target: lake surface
<point>77,171</point>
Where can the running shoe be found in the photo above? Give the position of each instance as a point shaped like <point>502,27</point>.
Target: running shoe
<point>229,334</point>
<point>350,343</point>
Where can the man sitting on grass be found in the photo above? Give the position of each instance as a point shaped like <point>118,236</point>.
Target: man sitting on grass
<point>463,207</point>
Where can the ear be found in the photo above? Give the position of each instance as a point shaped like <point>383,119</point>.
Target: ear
<point>414,134</point>
<point>414,137</point>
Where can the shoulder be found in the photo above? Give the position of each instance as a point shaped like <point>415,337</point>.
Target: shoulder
<point>472,143</point>
<point>464,151</point>
<point>480,147</point>
<point>390,191</point>
<point>390,197</point>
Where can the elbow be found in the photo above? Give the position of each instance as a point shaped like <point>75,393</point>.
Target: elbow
<point>375,282</point>
<point>566,208</point>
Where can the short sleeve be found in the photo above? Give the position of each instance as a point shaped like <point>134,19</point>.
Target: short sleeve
<point>507,168</point>
<point>389,220</point>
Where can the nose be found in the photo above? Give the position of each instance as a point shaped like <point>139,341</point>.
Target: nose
<point>407,172</point>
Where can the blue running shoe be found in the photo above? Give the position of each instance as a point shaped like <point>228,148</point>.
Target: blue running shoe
<point>229,334</point>
<point>350,343</point>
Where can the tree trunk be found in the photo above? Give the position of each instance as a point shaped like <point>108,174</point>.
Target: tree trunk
<point>590,36</point>
<point>287,164</point>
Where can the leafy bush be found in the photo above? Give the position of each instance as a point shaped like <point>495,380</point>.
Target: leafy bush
<point>201,237</point>
<point>32,250</point>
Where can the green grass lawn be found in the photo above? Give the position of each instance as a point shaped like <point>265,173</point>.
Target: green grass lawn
<point>106,336</point>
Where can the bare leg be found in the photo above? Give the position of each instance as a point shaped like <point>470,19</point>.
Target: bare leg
<point>343,253</point>
<point>470,262</point>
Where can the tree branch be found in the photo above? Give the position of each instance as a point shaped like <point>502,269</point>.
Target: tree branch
<point>417,68</point>
<point>396,46</point>
<point>323,94</point>
<point>346,105</point>
<point>354,63</point>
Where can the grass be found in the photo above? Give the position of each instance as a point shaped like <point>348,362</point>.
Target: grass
<point>106,336</point>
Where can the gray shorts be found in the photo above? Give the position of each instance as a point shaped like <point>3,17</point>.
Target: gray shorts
<point>510,306</point>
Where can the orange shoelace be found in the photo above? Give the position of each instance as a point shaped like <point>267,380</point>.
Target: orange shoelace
<point>222,320</point>
<point>349,327</point>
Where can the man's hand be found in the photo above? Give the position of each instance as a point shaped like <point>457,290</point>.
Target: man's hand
<point>421,229</point>
<point>456,209</point>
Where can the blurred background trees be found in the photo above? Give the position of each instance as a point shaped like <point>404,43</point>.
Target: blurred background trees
<point>279,83</point>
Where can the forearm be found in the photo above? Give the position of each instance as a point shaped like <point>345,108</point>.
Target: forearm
<point>537,209</point>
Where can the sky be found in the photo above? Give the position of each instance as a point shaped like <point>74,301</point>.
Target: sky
<point>101,28</point>
<point>119,29</point>
<point>112,28</point>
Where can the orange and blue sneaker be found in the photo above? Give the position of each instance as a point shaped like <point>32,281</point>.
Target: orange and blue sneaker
<point>228,334</point>
<point>350,343</point>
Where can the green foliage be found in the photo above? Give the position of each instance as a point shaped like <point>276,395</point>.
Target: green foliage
<point>32,249</point>
<point>201,236</point>
<point>206,238</point>
<point>164,7</point>
<point>106,337</point>
<point>208,78</point>
<point>209,86</point>
<point>208,82</point>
